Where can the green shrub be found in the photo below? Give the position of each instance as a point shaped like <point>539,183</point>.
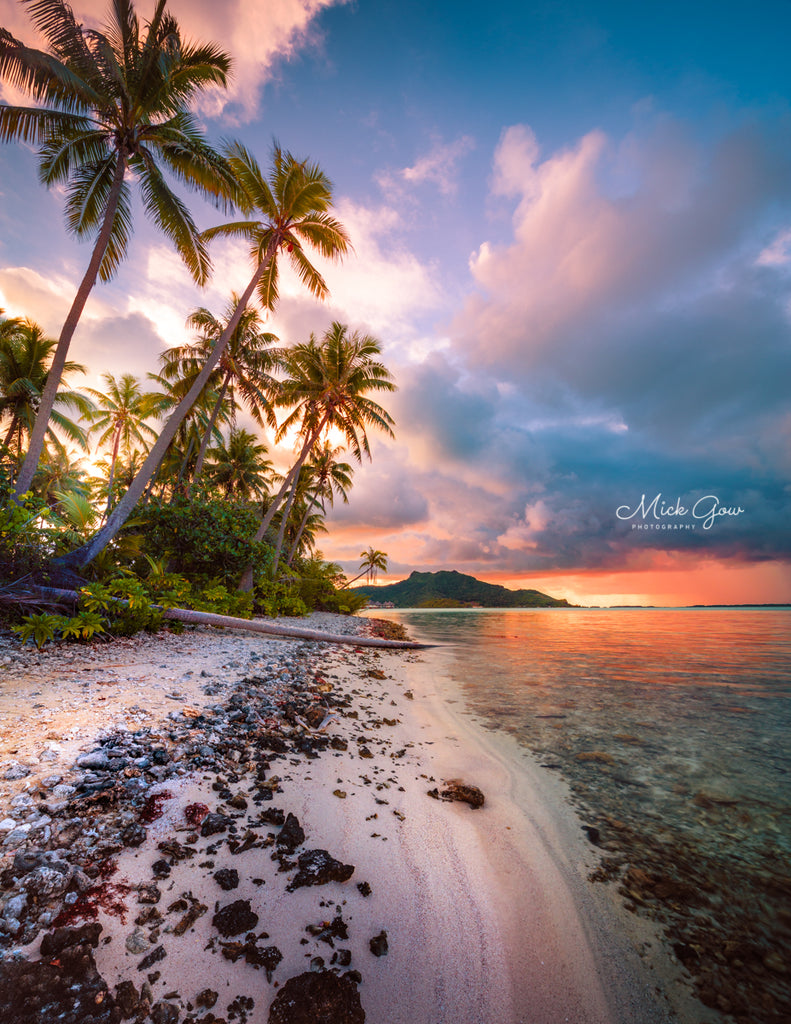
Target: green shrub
<point>27,535</point>
<point>279,598</point>
<point>343,602</point>
<point>207,540</point>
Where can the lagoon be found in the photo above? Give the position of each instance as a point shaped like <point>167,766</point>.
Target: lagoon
<point>672,728</point>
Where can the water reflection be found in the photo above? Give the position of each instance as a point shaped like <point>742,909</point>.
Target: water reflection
<point>673,729</point>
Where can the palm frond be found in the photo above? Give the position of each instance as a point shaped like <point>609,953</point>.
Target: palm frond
<point>62,152</point>
<point>171,216</point>
<point>36,124</point>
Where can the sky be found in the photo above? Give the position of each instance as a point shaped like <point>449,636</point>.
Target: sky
<point>572,236</point>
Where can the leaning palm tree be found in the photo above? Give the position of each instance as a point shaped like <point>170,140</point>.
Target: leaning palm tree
<point>112,107</point>
<point>291,205</point>
<point>120,419</point>
<point>25,374</point>
<point>242,374</point>
<point>326,478</point>
<point>372,562</point>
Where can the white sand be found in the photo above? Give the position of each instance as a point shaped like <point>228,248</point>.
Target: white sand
<point>488,913</point>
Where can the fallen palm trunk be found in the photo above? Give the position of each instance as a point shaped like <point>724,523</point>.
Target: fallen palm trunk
<point>57,596</point>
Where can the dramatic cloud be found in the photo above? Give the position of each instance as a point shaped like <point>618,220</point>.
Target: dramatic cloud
<point>600,231</point>
<point>631,335</point>
<point>257,35</point>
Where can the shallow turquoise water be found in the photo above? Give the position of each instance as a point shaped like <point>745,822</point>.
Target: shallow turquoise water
<point>673,727</point>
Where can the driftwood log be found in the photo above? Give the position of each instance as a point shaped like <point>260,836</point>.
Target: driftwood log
<point>54,595</point>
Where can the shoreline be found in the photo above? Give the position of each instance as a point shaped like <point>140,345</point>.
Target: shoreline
<point>487,913</point>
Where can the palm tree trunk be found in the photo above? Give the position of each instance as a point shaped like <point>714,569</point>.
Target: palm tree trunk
<point>11,432</point>
<point>283,523</point>
<point>38,434</point>
<point>113,459</point>
<point>295,469</point>
<point>210,428</point>
<point>300,531</point>
<point>246,581</point>
<point>59,596</point>
<point>87,552</point>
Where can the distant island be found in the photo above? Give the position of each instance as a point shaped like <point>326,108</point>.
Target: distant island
<point>455,590</point>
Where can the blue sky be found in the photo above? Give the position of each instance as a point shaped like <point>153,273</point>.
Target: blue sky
<point>572,231</point>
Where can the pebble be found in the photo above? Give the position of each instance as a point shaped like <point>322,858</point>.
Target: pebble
<point>136,942</point>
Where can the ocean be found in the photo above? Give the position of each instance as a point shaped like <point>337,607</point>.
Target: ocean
<point>673,729</point>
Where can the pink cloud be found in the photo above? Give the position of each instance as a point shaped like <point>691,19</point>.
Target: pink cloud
<point>598,227</point>
<point>257,35</point>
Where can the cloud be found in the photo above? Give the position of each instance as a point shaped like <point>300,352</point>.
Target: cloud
<point>601,231</point>
<point>625,339</point>
<point>439,166</point>
<point>256,35</point>
<point>381,286</point>
<point>23,289</point>
<point>386,501</point>
<point>118,344</point>
<point>778,252</point>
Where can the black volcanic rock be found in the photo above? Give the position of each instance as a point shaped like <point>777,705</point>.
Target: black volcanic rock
<point>234,919</point>
<point>70,992</point>
<point>317,997</point>
<point>227,878</point>
<point>317,867</point>
<point>291,835</point>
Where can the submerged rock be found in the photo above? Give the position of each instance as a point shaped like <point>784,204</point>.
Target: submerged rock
<point>317,997</point>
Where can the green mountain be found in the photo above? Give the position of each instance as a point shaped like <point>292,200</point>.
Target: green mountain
<point>455,590</point>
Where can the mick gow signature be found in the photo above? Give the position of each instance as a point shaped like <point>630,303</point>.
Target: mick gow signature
<point>663,515</point>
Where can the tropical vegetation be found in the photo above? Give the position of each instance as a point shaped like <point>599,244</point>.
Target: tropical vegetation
<point>163,489</point>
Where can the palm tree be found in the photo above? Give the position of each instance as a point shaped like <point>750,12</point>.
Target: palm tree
<point>59,470</point>
<point>244,367</point>
<point>239,468</point>
<point>326,477</point>
<point>326,386</point>
<point>25,373</point>
<point>372,562</point>
<point>109,105</point>
<point>292,204</point>
<point>120,418</point>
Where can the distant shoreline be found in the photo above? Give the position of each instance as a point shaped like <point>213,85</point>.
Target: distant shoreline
<point>585,608</point>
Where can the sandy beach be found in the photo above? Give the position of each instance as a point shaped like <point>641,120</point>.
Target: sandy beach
<point>235,812</point>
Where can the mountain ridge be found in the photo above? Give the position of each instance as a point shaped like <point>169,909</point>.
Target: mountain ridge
<point>449,588</point>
